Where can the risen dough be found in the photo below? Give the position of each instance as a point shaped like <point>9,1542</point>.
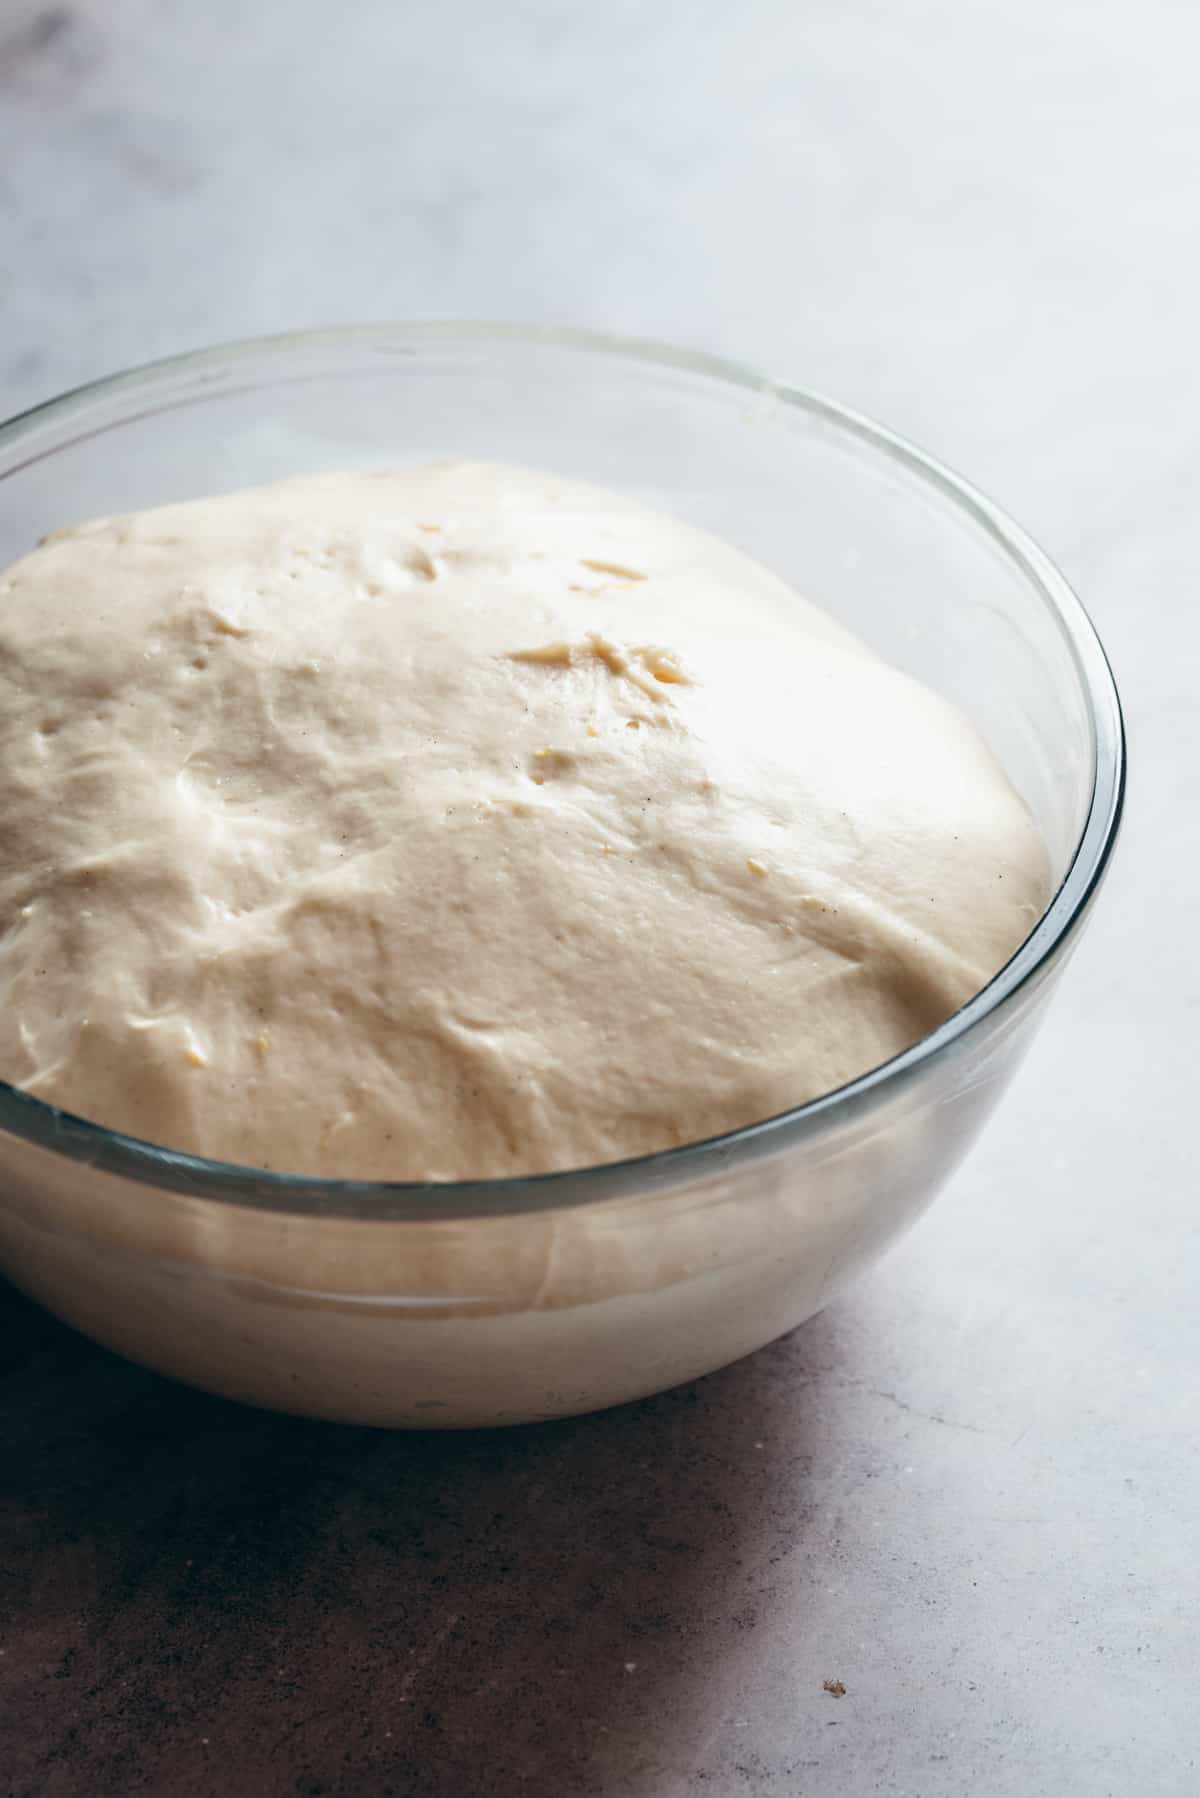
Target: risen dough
<point>462,821</point>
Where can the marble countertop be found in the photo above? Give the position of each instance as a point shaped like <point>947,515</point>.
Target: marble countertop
<point>968,1493</point>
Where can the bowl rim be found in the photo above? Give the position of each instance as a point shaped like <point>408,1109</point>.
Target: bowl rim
<point>78,1139</point>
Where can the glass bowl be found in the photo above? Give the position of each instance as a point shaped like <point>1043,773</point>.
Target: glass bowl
<point>509,1300</point>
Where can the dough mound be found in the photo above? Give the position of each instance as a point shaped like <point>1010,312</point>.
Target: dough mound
<point>462,821</point>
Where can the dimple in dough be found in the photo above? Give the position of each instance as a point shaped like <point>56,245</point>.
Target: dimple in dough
<point>463,821</point>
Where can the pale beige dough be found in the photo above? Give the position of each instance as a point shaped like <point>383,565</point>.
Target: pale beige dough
<point>462,821</point>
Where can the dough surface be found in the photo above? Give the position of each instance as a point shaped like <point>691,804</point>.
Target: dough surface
<point>463,821</point>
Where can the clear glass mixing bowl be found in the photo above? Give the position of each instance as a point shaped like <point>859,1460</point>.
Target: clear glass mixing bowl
<point>510,1300</point>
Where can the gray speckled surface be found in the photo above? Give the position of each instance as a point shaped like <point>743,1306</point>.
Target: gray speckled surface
<point>970,1491</point>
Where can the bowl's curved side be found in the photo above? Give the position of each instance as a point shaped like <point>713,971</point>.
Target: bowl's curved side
<point>506,1320</point>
